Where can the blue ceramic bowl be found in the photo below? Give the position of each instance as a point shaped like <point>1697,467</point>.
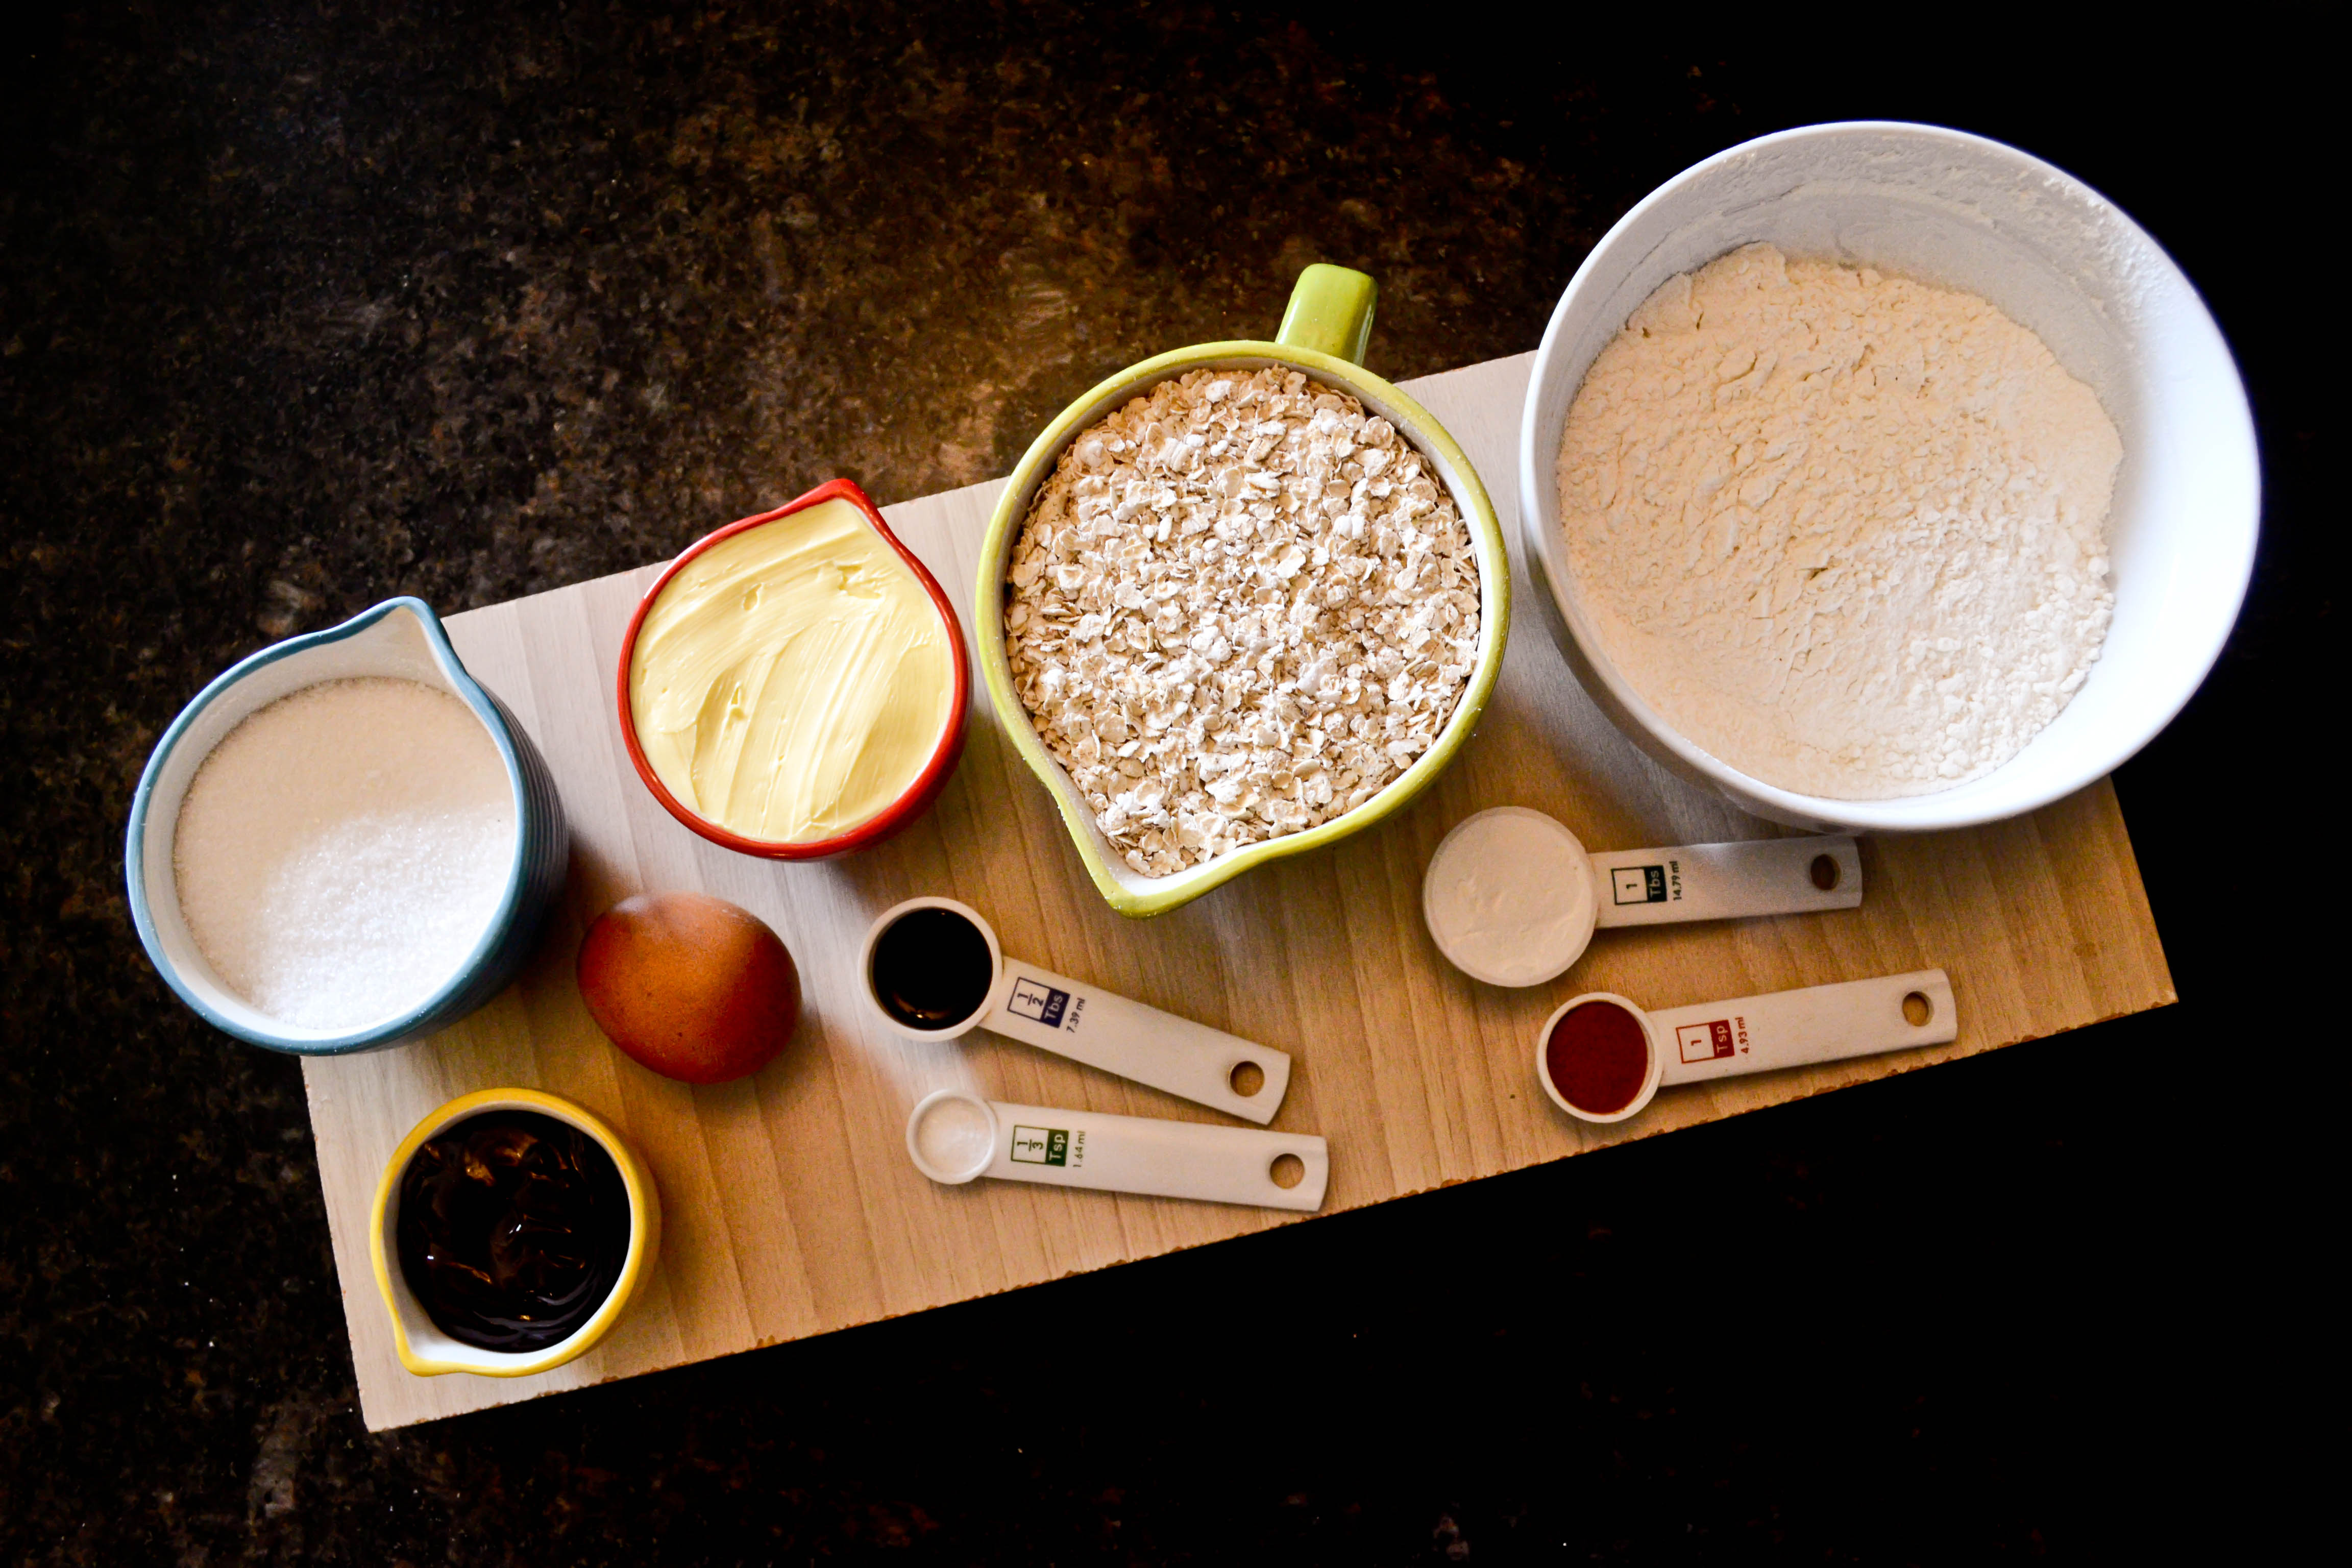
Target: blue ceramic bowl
<point>399,637</point>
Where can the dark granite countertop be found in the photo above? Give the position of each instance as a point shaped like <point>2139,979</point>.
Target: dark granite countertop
<point>304,306</point>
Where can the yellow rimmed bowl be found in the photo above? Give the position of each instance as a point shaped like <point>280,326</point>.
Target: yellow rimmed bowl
<point>428,1351</point>
<point>1323,333</point>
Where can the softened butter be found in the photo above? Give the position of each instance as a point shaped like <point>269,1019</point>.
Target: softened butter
<point>791,681</point>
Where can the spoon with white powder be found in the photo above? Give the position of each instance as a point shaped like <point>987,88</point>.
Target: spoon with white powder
<point>1511,896</point>
<point>955,1136</point>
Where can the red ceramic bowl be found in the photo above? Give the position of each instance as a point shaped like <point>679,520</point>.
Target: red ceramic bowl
<point>890,818</point>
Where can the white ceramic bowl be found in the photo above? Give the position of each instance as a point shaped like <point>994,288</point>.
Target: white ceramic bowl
<point>2050,252</point>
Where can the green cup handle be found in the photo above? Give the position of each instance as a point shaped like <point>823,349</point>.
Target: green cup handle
<point>1331,313</point>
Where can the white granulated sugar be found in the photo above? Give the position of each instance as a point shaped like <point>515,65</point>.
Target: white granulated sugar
<point>1240,606</point>
<point>341,850</point>
<point>1845,531</point>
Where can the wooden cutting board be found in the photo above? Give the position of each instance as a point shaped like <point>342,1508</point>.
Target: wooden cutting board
<point>792,1208</point>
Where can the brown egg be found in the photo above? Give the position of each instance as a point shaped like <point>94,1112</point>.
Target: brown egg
<point>692,986</point>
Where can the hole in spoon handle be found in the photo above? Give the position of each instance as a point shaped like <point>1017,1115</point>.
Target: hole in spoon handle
<point>1103,1029</point>
<point>1727,882</point>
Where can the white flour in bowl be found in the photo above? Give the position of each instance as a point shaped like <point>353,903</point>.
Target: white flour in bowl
<point>341,850</point>
<point>1845,531</point>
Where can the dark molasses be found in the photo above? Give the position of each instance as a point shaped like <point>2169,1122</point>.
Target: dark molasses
<point>513,1228</point>
<point>932,969</point>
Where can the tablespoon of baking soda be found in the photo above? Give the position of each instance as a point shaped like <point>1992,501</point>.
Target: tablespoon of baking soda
<point>954,1136</point>
<point>1601,1057</point>
<point>932,970</point>
<point>1512,899</point>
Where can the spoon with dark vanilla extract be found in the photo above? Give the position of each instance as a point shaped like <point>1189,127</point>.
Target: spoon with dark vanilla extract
<point>932,969</point>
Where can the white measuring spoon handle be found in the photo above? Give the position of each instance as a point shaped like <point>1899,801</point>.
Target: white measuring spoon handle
<point>1726,881</point>
<point>1103,1029</point>
<point>1162,1159</point>
<point>1817,1024</point>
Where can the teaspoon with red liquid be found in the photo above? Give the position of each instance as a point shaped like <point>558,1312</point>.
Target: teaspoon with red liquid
<point>1601,1058</point>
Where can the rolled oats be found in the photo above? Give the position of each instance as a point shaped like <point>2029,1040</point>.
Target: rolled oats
<point>1238,609</point>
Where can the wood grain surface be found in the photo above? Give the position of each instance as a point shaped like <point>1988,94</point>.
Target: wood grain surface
<point>792,1208</point>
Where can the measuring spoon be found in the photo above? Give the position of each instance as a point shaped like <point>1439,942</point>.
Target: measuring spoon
<point>932,970</point>
<point>1511,897</point>
<point>1601,1057</point>
<point>954,1136</point>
